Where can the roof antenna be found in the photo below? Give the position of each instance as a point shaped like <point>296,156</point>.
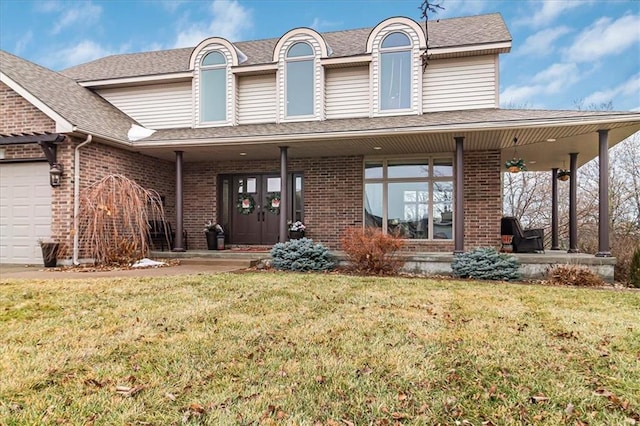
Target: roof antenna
<point>426,7</point>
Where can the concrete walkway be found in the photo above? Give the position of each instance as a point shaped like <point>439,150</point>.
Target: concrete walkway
<point>10,272</point>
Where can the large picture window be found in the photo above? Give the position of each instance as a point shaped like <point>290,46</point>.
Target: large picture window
<point>410,198</point>
<point>213,88</point>
<point>299,73</point>
<point>395,72</point>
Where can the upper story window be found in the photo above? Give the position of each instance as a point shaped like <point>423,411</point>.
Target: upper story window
<point>395,72</point>
<point>299,74</point>
<point>213,87</point>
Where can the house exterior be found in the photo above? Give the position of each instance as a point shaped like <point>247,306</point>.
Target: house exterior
<point>340,129</point>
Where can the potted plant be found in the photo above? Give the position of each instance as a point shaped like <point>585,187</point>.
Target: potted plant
<point>515,165</point>
<point>564,175</point>
<point>49,252</point>
<point>296,230</point>
<point>215,236</point>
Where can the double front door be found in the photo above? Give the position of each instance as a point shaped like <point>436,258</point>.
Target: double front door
<point>255,201</point>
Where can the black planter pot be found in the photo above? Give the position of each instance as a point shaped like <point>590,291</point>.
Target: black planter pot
<point>212,243</point>
<point>50,254</point>
<point>296,235</point>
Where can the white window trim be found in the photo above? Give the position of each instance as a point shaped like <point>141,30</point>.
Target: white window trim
<point>385,180</point>
<point>382,51</point>
<point>204,68</point>
<point>311,58</point>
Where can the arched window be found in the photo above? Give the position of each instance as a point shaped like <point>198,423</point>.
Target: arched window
<point>213,87</point>
<point>299,78</point>
<point>395,72</point>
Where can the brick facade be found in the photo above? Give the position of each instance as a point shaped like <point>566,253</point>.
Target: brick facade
<point>333,186</point>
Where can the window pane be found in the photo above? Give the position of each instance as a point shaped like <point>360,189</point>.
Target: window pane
<point>251,185</point>
<point>213,95</point>
<point>373,170</point>
<point>408,169</point>
<point>214,58</point>
<point>443,210</point>
<point>396,40</point>
<point>299,88</point>
<point>407,209</point>
<point>299,49</point>
<point>273,184</point>
<point>442,167</point>
<point>373,205</point>
<point>297,200</point>
<point>395,80</point>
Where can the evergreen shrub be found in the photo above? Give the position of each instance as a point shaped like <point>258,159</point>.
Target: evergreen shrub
<point>301,255</point>
<point>485,264</point>
<point>634,272</point>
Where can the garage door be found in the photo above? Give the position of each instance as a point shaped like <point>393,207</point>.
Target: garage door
<point>25,211</point>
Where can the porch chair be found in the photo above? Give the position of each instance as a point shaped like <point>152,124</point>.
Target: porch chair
<point>524,241</point>
<point>161,233</point>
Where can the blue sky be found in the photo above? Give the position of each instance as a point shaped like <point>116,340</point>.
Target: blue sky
<point>565,52</point>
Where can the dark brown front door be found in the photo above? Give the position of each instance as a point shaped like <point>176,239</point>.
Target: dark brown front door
<point>257,224</point>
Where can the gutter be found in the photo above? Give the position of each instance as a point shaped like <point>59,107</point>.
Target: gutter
<point>76,197</point>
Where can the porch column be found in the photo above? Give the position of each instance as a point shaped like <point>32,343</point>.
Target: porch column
<point>573,204</point>
<point>459,197</point>
<point>178,243</point>
<point>554,209</point>
<point>284,205</point>
<point>603,196</point>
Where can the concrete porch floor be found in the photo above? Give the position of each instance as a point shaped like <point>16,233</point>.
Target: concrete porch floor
<point>532,265</point>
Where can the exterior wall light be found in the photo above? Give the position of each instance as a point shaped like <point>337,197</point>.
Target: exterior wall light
<point>55,174</point>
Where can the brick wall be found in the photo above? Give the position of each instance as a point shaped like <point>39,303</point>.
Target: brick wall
<point>19,116</point>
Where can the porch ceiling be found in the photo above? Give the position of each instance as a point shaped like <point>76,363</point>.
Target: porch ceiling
<point>533,144</point>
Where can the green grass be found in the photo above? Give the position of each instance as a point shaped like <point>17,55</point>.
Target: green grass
<point>278,348</point>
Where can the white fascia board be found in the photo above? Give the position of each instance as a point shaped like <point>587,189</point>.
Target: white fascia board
<point>258,68</point>
<point>142,80</point>
<point>356,60</point>
<point>62,124</point>
<point>477,126</point>
<point>504,46</point>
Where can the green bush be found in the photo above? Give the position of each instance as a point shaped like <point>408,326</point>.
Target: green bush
<point>485,264</point>
<point>634,272</point>
<point>301,255</point>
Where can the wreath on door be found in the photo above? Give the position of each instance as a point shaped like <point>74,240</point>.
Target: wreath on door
<point>246,204</point>
<point>273,203</point>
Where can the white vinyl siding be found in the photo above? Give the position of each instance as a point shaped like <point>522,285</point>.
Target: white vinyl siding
<point>159,106</point>
<point>257,99</point>
<point>347,92</point>
<point>465,83</point>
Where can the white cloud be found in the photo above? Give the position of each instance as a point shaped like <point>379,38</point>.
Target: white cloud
<point>85,13</point>
<point>606,37</point>
<point>548,10</point>
<point>542,42</point>
<point>553,80</point>
<point>23,42</point>
<point>47,6</point>
<point>321,25</point>
<point>459,8</point>
<point>229,20</point>
<point>629,88</point>
<point>79,53</point>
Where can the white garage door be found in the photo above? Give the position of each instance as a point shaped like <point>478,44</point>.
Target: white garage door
<point>25,211</point>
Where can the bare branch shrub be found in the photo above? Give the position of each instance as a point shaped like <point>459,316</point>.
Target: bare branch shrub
<point>371,251</point>
<point>114,219</point>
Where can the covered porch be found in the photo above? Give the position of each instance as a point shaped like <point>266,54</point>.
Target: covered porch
<point>478,143</point>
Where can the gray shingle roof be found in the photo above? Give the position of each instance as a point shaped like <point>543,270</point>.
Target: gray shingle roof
<point>467,118</point>
<point>76,104</point>
<point>452,32</point>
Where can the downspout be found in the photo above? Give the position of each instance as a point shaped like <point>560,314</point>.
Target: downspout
<point>76,198</point>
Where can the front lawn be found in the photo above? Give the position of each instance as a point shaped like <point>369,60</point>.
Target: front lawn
<point>279,348</point>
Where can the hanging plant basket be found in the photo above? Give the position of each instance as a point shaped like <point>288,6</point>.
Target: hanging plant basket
<point>246,204</point>
<point>564,175</point>
<point>516,165</point>
<point>273,203</point>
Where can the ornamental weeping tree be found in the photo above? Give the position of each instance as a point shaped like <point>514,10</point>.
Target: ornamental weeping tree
<point>114,219</point>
